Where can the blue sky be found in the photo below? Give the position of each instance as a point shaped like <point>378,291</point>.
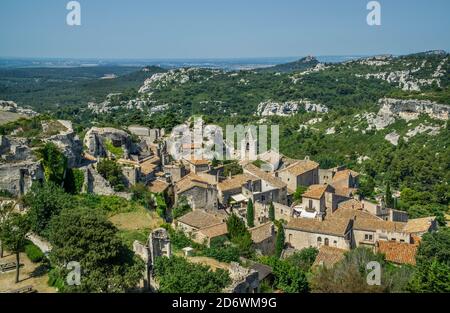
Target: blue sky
<point>220,28</point>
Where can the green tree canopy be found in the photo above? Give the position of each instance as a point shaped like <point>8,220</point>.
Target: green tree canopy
<point>250,214</point>
<point>177,275</point>
<point>13,236</point>
<point>87,237</point>
<point>45,201</point>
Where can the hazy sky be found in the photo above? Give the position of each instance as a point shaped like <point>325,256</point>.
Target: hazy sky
<point>220,28</point>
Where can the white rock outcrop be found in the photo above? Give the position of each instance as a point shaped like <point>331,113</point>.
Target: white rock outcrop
<point>270,108</point>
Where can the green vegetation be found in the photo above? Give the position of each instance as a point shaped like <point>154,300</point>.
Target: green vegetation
<point>108,266</point>
<point>299,193</point>
<point>271,212</point>
<point>13,236</point>
<point>433,263</point>
<point>112,172</point>
<point>176,275</point>
<point>279,244</point>
<point>116,151</point>
<point>288,278</point>
<point>181,208</point>
<point>45,201</point>
<point>250,214</point>
<point>34,253</point>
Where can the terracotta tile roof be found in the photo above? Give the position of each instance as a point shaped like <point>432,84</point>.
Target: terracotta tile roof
<point>272,180</point>
<point>215,230</point>
<point>189,181</point>
<point>328,256</point>
<point>332,226</point>
<point>344,212</point>
<point>200,219</point>
<point>236,182</point>
<point>262,232</point>
<point>195,161</point>
<point>148,167</point>
<point>419,225</point>
<point>351,204</point>
<point>344,174</point>
<point>345,191</point>
<point>158,186</point>
<point>301,167</point>
<point>374,225</point>
<point>398,252</point>
<point>316,191</point>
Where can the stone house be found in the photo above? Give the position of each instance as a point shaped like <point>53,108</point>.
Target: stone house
<point>201,226</point>
<point>270,189</point>
<point>198,165</point>
<point>301,173</point>
<point>200,194</point>
<point>304,233</point>
<point>282,212</point>
<point>366,232</point>
<point>320,199</point>
<point>420,226</point>
<point>263,237</point>
<point>176,171</point>
<point>233,186</point>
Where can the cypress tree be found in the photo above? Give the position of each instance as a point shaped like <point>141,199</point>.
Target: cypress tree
<point>279,245</point>
<point>250,214</point>
<point>271,212</point>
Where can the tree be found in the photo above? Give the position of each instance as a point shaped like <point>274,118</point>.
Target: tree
<point>388,196</point>
<point>13,235</point>
<point>239,235</point>
<point>299,193</point>
<point>54,163</point>
<point>86,236</point>
<point>288,277</point>
<point>304,258</point>
<point>182,208</point>
<point>279,244</point>
<point>250,214</point>
<point>5,211</point>
<point>271,212</point>
<point>349,275</point>
<point>45,201</point>
<point>112,172</point>
<point>177,275</point>
<point>433,263</point>
<point>235,227</point>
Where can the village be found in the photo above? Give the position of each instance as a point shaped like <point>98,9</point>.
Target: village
<point>313,207</point>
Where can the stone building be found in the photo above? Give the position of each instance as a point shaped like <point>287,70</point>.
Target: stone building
<point>202,227</point>
<point>366,232</point>
<point>301,173</point>
<point>304,233</point>
<point>271,189</point>
<point>263,237</point>
<point>200,194</point>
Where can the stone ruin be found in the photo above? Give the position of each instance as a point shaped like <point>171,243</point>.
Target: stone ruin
<point>244,280</point>
<point>158,245</point>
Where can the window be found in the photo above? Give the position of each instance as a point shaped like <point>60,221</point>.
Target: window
<point>335,243</point>
<point>290,238</point>
<point>327,242</point>
<point>368,237</point>
<point>319,241</point>
<point>310,204</point>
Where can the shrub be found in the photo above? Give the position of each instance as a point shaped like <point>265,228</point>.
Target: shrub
<point>34,253</point>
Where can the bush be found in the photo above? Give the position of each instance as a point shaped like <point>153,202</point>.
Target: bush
<point>34,253</point>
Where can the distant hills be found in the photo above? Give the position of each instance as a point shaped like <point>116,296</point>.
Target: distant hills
<point>299,65</point>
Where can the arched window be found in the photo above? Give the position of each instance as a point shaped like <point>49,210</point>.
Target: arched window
<point>327,242</point>
<point>319,241</point>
